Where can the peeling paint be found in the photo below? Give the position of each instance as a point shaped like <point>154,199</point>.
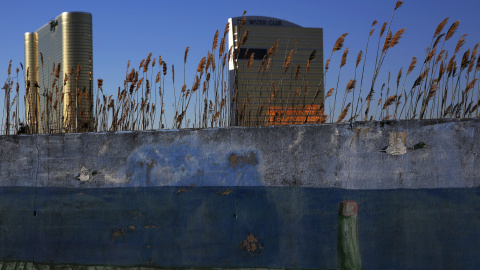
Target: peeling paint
<point>396,144</point>
<point>86,174</point>
<point>183,164</point>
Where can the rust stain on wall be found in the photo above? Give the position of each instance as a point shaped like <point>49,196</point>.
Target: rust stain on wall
<point>251,245</point>
<point>225,192</point>
<point>122,232</point>
<point>235,160</point>
<point>184,189</point>
<point>361,131</point>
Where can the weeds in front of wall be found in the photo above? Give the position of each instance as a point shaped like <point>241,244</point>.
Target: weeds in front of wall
<point>441,89</point>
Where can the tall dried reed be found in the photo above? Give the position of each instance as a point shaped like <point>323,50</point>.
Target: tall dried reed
<point>445,86</point>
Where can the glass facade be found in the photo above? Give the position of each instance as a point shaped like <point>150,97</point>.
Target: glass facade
<point>282,83</point>
<point>59,83</point>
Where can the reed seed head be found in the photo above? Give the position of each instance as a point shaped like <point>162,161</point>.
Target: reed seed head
<point>339,43</point>
<point>227,28</point>
<point>389,101</point>
<point>244,38</point>
<point>242,23</point>
<point>383,28</point>
<point>250,61</point>
<point>440,27</point>
<point>344,113</point>
<point>147,62</point>
<point>399,76</point>
<point>412,65</point>
<point>460,43</point>
<point>344,58</point>
<point>186,55</point>
<point>10,67</point>
<point>451,31</point>
<point>399,4</point>
<point>288,60</point>
<point>386,45</point>
<point>201,65</point>
<point>215,41</point>
<point>465,60</point>
<point>359,58</point>
<point>330,92</point>
<point>297,72</point>
<point>350,86</point>
<point>396,38</point>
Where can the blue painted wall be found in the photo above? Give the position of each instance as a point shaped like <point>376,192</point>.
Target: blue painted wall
<point>207,226</point>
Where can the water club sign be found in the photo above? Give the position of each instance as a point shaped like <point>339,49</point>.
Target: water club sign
<point>269,22</point>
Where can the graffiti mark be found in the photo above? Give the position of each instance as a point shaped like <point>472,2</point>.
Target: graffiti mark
<point>238,160</point>
<point>251,245</point>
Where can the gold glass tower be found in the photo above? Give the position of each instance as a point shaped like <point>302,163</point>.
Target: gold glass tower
<point>59,89</point>
<point>275,72</point>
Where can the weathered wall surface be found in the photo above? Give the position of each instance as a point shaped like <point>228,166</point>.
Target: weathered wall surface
<point>244,197</point>
<point>340,156</point>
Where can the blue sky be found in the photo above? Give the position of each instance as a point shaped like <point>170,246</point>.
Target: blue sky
<point>129,30</point>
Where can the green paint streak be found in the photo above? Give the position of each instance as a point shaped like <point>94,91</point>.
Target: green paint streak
<point>348,247</point>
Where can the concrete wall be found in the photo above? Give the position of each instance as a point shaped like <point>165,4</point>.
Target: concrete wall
<point>204,198</point>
